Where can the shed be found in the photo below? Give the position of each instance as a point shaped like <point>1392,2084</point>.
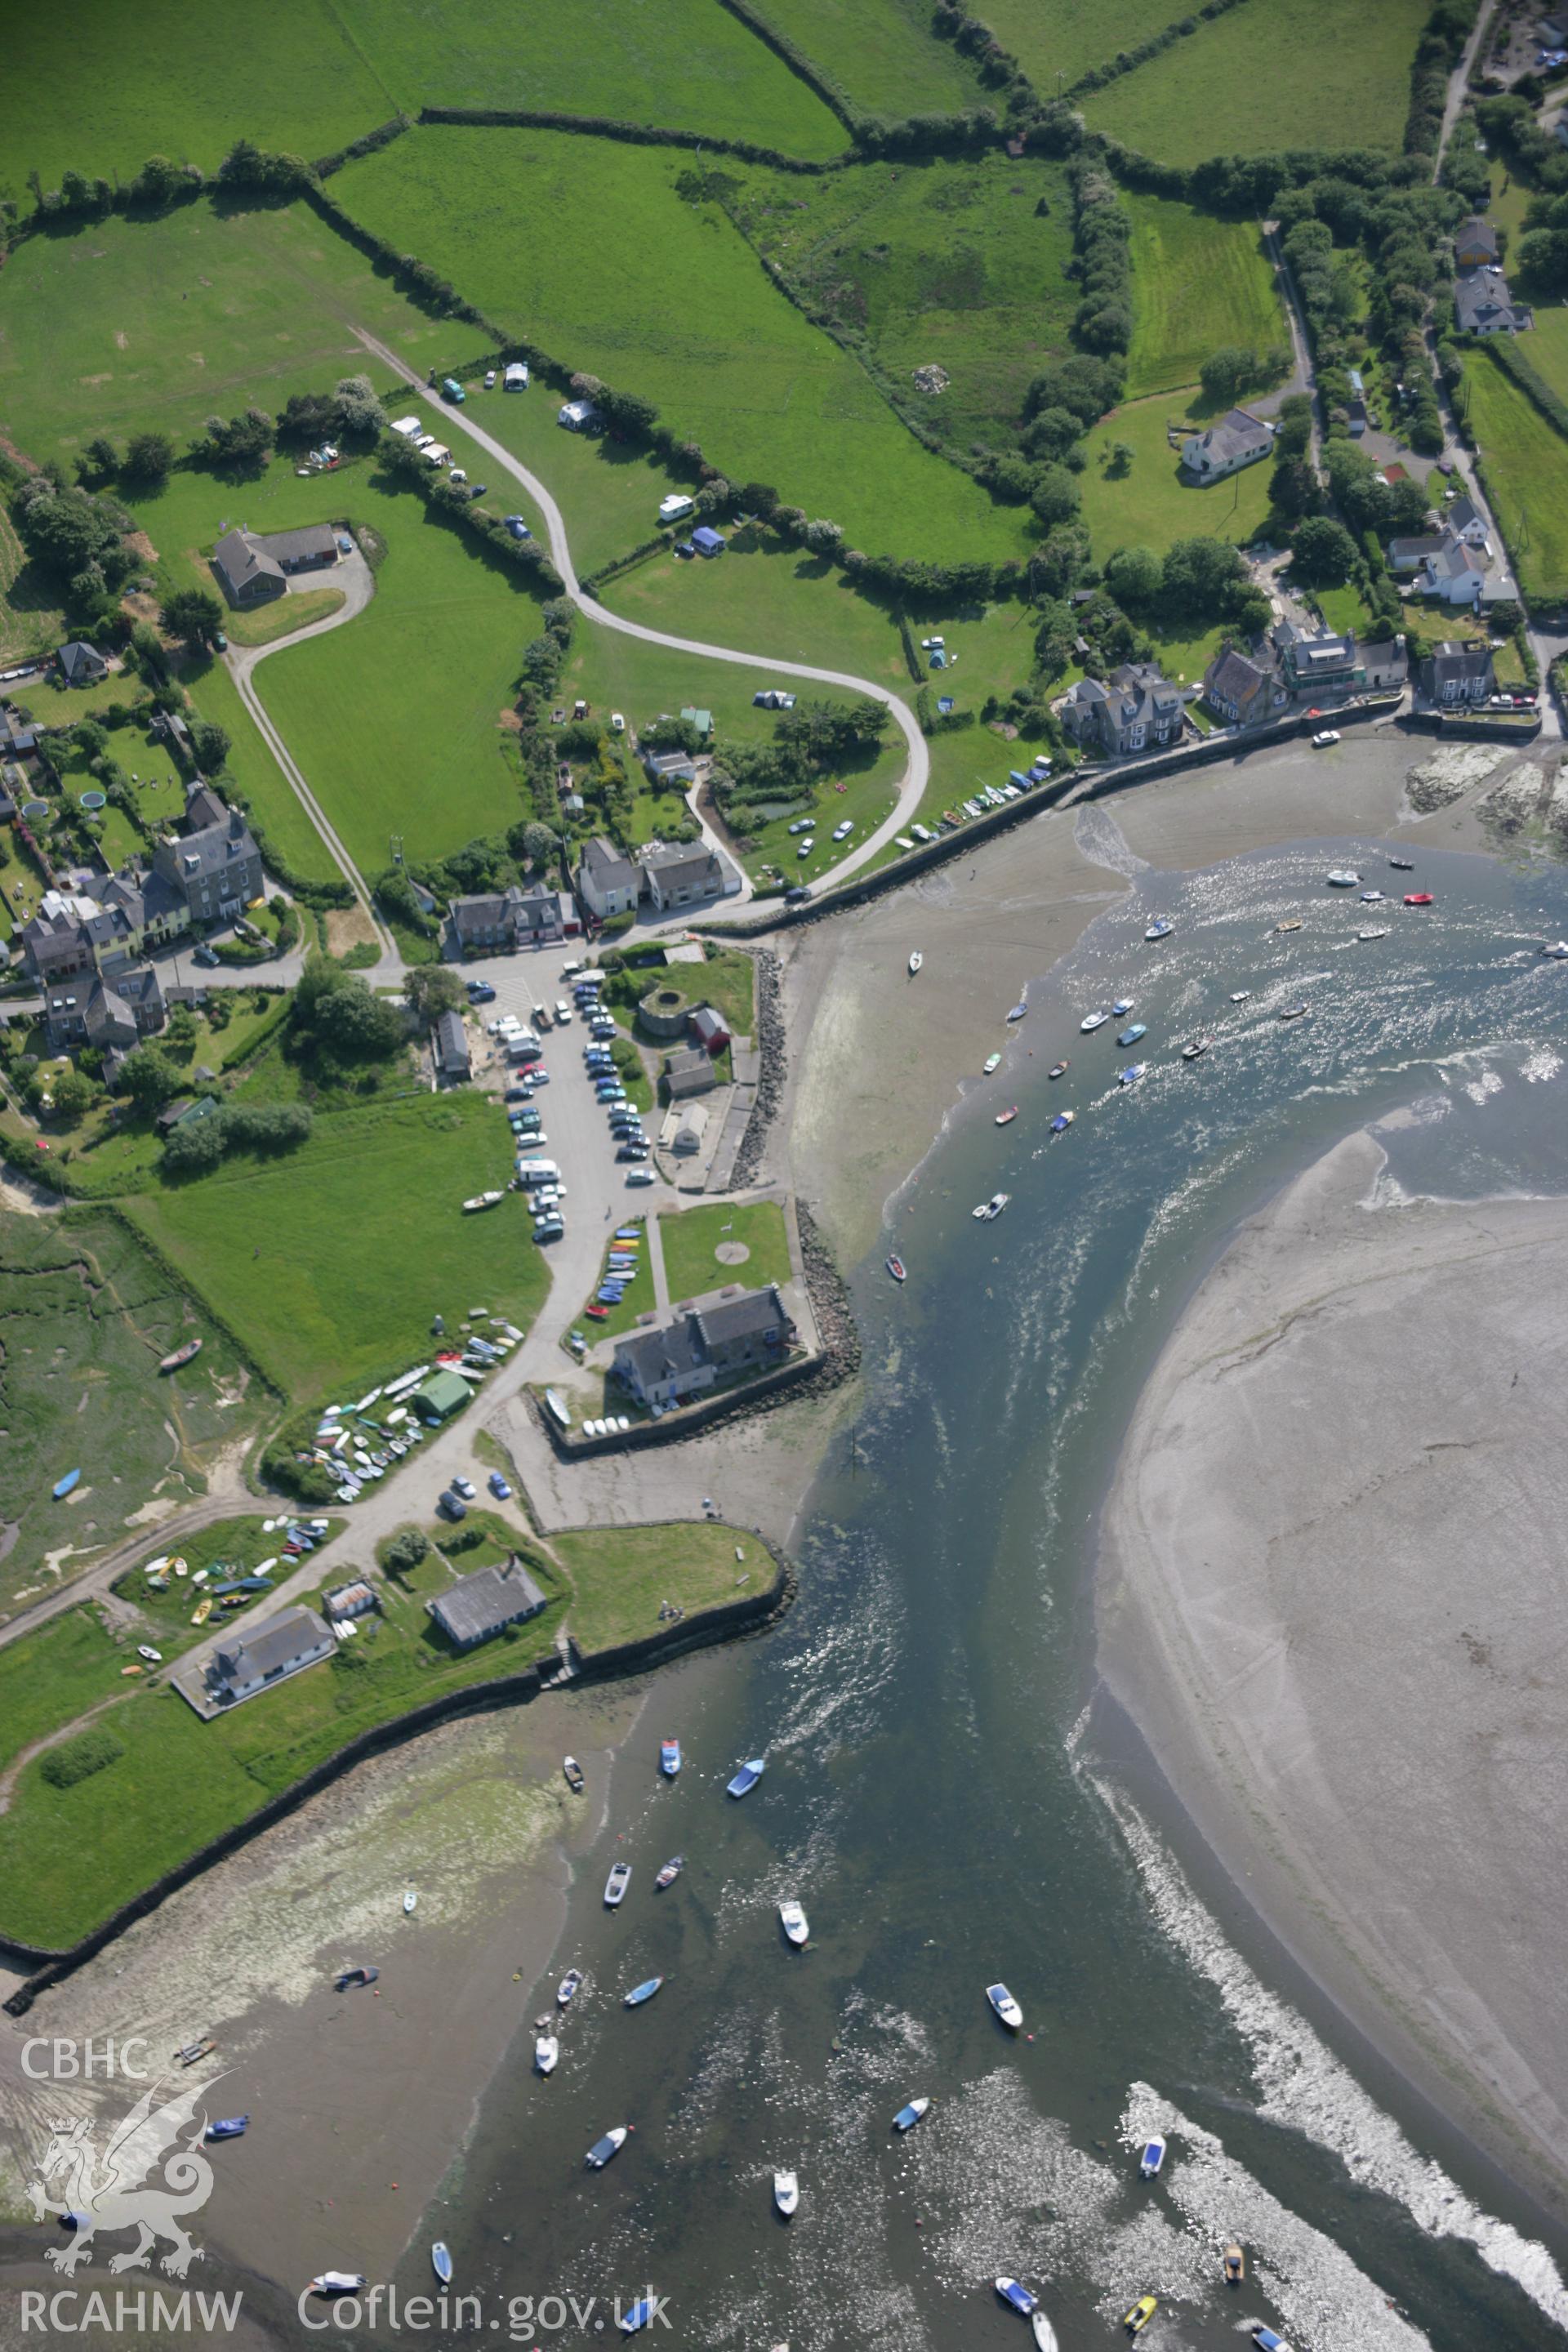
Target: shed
<point>707,1028</point>
<point>439,1397</point>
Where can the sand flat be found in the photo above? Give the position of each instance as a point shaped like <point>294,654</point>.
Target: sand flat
<point>1331,1596</point>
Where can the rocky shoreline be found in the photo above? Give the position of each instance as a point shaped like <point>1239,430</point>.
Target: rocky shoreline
<point>772,1075</point>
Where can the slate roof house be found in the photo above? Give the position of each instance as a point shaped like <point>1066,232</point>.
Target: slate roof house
<point>71,935</point>
<point>681,875</point>
<point>1134,709</point>
<point>1457,574</point>
<point>1407,555</point>
<point>112,1014</point>
<point>1484,306</point>
<point>690,1072</point>
<point>81,665</point>
<point>1238,439</point>
<point>253,566</point>
<point>266,1654</point>
<point>505,920</point>
<point>1315,663</point>
<point>1245,689</point>
<point>478,1607</point>
<point>607,881</point>
<point>1475,244</point>
<point>451,1046</point>
<point>1454,674</point>
<point>750,1331</point>
<point>1465,520</point>
<point>708,1029</point>
<point>216,870</point>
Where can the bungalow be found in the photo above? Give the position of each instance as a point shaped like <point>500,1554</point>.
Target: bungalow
<point>708,541</point>
<point>246,573</point>
<point>81,665</point>
<point>668,768</point>
<point>1133,710</point>
<point>266,1654</point>
<point>690,1072</point>
<point>1475,244</point>
<point>1245,689</point>
<point>577,416</point>
<point>1484,306</point>
<point>1454,675</point>
<point>607,881</point>
<point>451,1047</point>
<point>748,1331</point>
<point>478,1607</point>
<point>680,875</point>
<point>1238,439</point>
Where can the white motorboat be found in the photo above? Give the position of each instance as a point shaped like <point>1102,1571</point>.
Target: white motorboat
<point>1160,929</point>
<point>1239,996</point>
<point>993,1208</point>
<point>410,1900</point>
<point>787,2193</point>
<point>908,2117</point>
<point>441,2262</point>
<point>1093,1020</point>
<point>1379,933</point>
<point>1557,950</point>
<point>611,2145</point>
<point>793,1920</point>
<point>546,2053</point>
<point>1370,897</point>
<point>1344,878</point>
<point>337,2282</point>
<point>915,962</point>
<point>1045,2334</point>
<point>482,1201</point>
<point>1005,2007</point>
<point>1152,2157</point>
<point>616,1884</point>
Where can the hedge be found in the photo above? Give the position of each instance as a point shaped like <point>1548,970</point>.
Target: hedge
<point>634,134</point>
<point>76,1760</point>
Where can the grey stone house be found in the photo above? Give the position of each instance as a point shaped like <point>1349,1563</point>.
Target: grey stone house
<point>81,665</point>
<point>1136,709</point>
<point>680,875</point>
<point>607,881</point>
<point>112,1014</point>
<point>478,1607</point>
<point>265,1655</point>
<point>751,1332</point>
<point>1454,675</point>
<point>499,922</point>
<point>1245,689</point>
<point>216,871</point>
<point>451,1046</point>
<point>254,567</point>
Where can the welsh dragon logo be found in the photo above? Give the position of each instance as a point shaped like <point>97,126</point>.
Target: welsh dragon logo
<point>151,2173</point>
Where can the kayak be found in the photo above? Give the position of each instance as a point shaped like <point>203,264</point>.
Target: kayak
<point>63,1485</point>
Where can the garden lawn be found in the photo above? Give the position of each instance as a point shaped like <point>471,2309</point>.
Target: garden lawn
<point>1152,505</point>
<point>301,608</point>
<point>1526,463</point>
<point>1199,285</point>
<point>186,83</point>
<point>690,1238</point>
<point>729,981</point>
<point>310,1255</point>
<point>1062,36</point>
<point>620,1575</point>
<point>1265,75</point>
<point>638,1299</point>
<point>550,238</point>
<point>682,65</point>
<point>127,324</point>
<point>881,53</point>
<point>951,263</point>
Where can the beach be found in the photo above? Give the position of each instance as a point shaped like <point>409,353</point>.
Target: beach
<point>1329,1596</point>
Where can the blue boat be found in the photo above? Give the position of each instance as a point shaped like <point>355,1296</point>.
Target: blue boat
<point>639,1993</point>
<point>1132,1074</point>
<point>629,1233</point>
<point>256,1584</point>
<point>1017,2297</point>
<point>641,2312</point>
<point>1062,1121</point>
<point>1267,2341</point>
<point>63,1485</point>
<point>231,2127</point>
<point>1132,1034</point>
<point>1122,1007</point>
<point>441,2262</point>
<point>908,2117</point>
<point>669,1758</point>
<point>746,1779</point>
<point>1018,1010</point>
<point>1159,929</point>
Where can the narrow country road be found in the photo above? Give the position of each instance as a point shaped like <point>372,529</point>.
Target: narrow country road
<point>1303,377</point>
<point>918,772</point>
<point>1459,82</point>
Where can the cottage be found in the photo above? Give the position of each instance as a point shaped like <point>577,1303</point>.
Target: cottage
<point>451,1047</point>
<point>1475,244</point>
<point>1133,710</point>
<point>478,1607</point>
<point>680,875</point>
<point>1238,439</point>
<point>1454,675</point>
<point>709,1028</point>
<point>81,665</point>
<point>505,920</point>
<point>1387,665</point>
<point>1245,689</point>
<point>1466,520</point>
<point>265,1655</point>
<point>750,1331</point>
<point>607,881</point>
<point>578,416</point>
<point>708,541</point>
<point>668,768</point>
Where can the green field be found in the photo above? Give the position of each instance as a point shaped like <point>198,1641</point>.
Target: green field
<point>535,228</point>
<point>255,774</point>
<point>608,493</point>
<point>934,262</point>
<point>134,323</point>
<point>300,1252</point>
<point>881,55</point>
<point>1199,285</point>
<point>55,1675</point>
<point>87,1314</point>
<point>182,82</point>
<point>769,599</point>
<point>1262,77</point>
<point>684,65</point>
<point>691,1239</point>
<point>1547,349</point>
<point>1151,505</point>
<point>69,1856</point>
<point>729,981</point>
<point>1526,464</point>
<point>1052,37</point>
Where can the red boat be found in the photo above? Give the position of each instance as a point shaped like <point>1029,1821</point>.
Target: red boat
<point>597,1314</point>
<point>1005,1118</point>
<point>1418,899</point>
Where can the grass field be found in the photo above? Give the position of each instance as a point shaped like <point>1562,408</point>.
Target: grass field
<point>183,82</point>
<point>535,228</point>
<point>945,262</point>
<point>684,65</point>
<point>1199,284</point>
<point>880,53</point>
<point>1547,349</point>
<point>300,1252</point>
<point>258,776</point>
<point>1261,78</point>
<point>31,620</point>
<point>1527,474</point>
<point>87,1314</point>
<point>128,324</point>
<point>55,1675</point>
<point>1061,37</point>
<point>69,1856</point>
<point>608,493</point>
<point>1151,505</point>
<point>728,981</point>
<point>772,599</point>
<point>692,1238</point>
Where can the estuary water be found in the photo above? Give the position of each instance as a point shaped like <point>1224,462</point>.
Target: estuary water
<point>948,1798</point>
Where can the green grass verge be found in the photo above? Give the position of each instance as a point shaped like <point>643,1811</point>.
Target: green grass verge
<point>1199,285</point>
<point>1262,77</point>
<point>531,226</point>
<point>1152,505</point>
<point>622,1574</point>
<point>299,610</point>
<point>682,65</point>
<point>951,263</point>
<point>132,323</point>
<point>1526,462</point>
<point>297,1252</point>
<point>691,1239</point>
<point>639,1299</point>
<point>184,83</point>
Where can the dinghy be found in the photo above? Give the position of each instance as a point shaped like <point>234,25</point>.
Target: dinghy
<point>441,2262</point>
<point>746,1779</point>
<point>1017,2298</point>
<point>640,1993</point>
<point>611,2145</point>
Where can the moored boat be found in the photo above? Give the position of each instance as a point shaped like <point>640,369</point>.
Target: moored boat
<point>992,1209</point>
<point>1057,1070</point>
<point>793,1920</point>
<point>347,1979</point>
<point>1005,2007</point>
<point>570,1986</point>
<point>203,1610</point>
<point>671,1871</point>
<point>1370,898</point>
<point>1005,1118</point>
<point>1418,899</point>
<point>1194,1048</point>
<point>896,1268</point>
<point>669,1758</point>
<point>63,1486</point>
<point>746,1779</point>
<point>574,1774</point>
<point>616,1884</point>
<point>336,2283</point>
<point>908,2117</point>
<point>1292,923</point>
<point>1093,1020</point>
<point>228,2127</point>
<point>410,1900</point>
<point>441,2262</point>
<point>611,2145</point>
<point>1343,877</point>
<point>640,2315</point>
<point>1159,929</point>
<point>1045,2334</point>
<point>1152,2157</point>
<point>1239,996</point>
<point>1019,1010</point>
<point>1379,931</point>
<point>1132,1074</point>
<point>482,1201</point>
<point>1292,1013</point>
<point>1016,2296</point>
<point>1403,865</point>
<point>1136,2320</point>
<point>1557,950</point>
<point>992,1061</point>
<point>916,960</point>
<point>642,1992</point>
<point>787,2193</point>
<point>546,2053</point>
<point>186,1355</point>
<point>1062,1121</point>
<point>1133,1031</point>
<point>1232,2263</point>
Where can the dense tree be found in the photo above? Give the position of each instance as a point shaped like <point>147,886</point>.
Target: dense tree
<point>1133,575</point>
<point>337,1011</point>
<point>66,530</point>
<point>1199,578</point>
<point>359,413</point>
<point>1322,553</point>
<point>210,743</point>
<point>1054,496</point>
<point>149,1076</point>
<point>99,461</point>
<point>149,459</point>
<point>192,613</point>
<point>242,444</point>
<point>433,988</point>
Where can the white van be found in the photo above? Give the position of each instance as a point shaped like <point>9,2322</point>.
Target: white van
<point>538,1171</point>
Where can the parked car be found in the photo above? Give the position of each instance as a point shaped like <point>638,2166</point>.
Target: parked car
<point>452,1506</point>
<point>633,1151</point>
<point>842,831</point>
<point>464,1487</point>
<point>517,1094</point>
<point>205,955</point>
<point>549,1229</point>
<point>479,491</point>
<point>805,849</point>
<point>803,824</point>
<point>480,992</point>
<point>641,1176</point>
<point>498,1487</point>
<point>518,528</point>
<point>563,1014</point>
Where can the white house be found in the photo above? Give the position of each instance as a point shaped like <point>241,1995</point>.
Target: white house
<point>607,881</point>
<point>1238,439</point>
<point>1464,520</point>
<point>264,1655</point>
<point>1457,575</point>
